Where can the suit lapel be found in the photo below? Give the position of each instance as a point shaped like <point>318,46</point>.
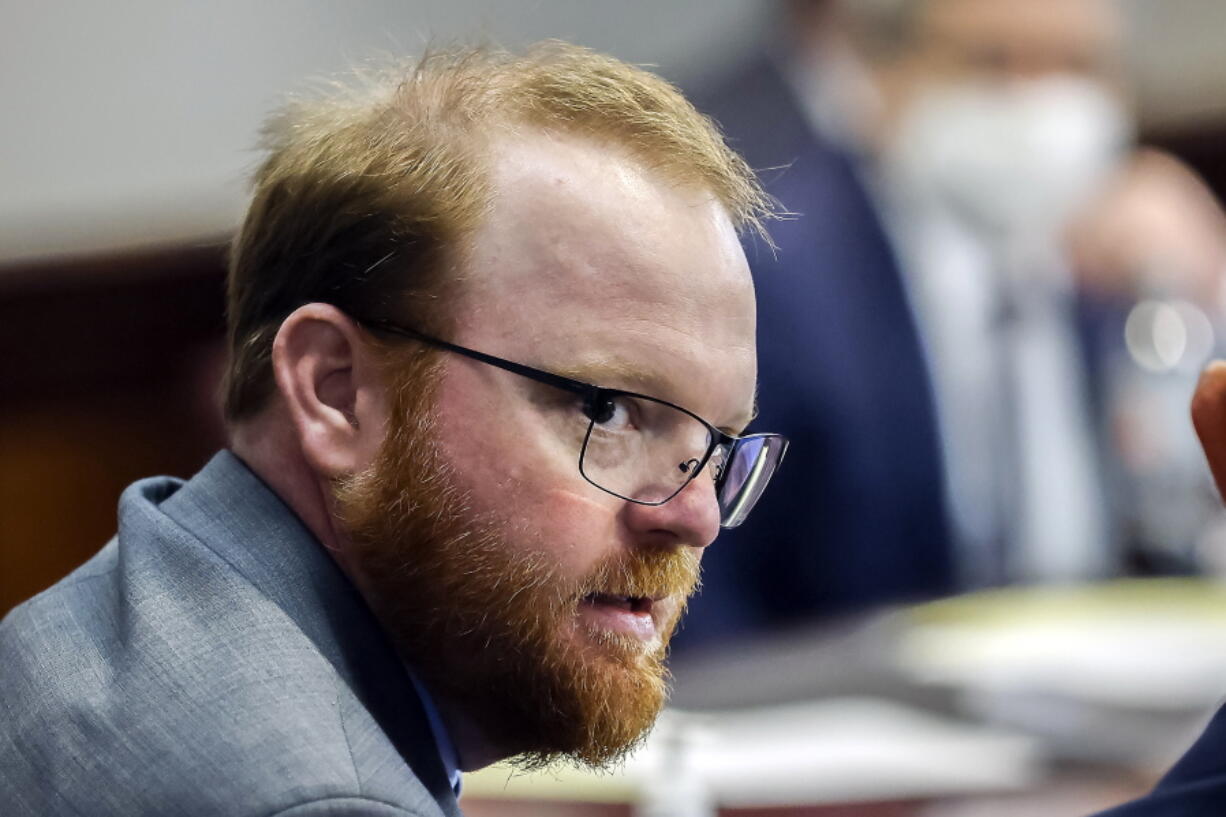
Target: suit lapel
<point>262,539</point>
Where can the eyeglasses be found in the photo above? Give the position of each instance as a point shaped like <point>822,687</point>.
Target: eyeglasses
<point>643,449</point>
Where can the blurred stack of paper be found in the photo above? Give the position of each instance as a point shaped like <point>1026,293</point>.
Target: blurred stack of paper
<point>1121,672</point>
<point>833,751</point>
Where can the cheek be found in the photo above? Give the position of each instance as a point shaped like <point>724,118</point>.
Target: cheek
<point>578,531</point>
<point>494,442</point>
<point>533,490</point>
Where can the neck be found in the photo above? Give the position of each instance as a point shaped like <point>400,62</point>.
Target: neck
<point>266,444</point>
<point>474,749</point>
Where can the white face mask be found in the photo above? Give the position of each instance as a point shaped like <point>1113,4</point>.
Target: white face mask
<point>1017,158</point>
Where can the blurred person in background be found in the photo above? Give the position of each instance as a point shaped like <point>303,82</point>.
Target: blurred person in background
<point>948,309</point>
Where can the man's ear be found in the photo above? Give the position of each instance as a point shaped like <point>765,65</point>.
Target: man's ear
<point>331,389</point>
<point>1209,417</point>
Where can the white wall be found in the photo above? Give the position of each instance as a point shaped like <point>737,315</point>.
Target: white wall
<point>133,120</point>
<point>1179,59</point>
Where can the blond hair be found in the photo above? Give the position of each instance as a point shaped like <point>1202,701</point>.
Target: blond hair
<point>370,190</point>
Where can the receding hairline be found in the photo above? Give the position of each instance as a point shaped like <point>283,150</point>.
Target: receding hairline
<point>512,93</point>
<point>373,186</point>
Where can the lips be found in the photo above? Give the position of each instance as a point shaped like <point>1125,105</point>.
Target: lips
<point>629,615</point>
<point>636,597</point>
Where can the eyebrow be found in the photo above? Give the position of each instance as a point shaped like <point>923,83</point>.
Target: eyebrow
<point>608,373</point>
<point>617,373</point>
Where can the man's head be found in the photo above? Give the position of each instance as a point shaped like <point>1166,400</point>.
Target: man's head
<point>560,210</point>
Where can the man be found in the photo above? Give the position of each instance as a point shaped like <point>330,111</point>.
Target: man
<point>432,543</point>
<point>929,347</point>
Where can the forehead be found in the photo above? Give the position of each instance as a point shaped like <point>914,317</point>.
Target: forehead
<point>587,260</point>
<point>1089,29</point>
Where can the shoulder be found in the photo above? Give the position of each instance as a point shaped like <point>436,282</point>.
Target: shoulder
<point>157,679</point>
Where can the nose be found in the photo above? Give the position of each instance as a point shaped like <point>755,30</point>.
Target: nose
<point>691,518</point>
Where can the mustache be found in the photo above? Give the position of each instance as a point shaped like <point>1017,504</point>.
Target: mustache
<point>649,573</point>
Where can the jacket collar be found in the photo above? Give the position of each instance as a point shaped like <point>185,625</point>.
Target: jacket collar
<point>253,530</point>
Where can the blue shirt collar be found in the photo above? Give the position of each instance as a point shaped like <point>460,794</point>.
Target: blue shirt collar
<point>446,749</point>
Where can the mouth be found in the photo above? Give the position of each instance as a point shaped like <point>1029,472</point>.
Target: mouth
<point>633,604</point>
<point>625,614</point>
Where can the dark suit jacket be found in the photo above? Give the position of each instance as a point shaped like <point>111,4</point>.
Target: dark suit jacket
<point>211,659</point>
<point>856,515</point>
<point>1194,787</point>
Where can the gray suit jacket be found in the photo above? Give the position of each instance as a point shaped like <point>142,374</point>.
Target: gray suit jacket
<point>210,660</point>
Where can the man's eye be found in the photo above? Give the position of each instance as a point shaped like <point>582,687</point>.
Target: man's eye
<point>612,414</point>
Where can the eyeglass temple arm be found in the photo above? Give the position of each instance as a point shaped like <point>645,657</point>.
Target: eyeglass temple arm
<point>539,375</point>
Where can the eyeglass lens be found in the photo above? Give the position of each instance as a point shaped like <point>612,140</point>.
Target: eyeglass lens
<point>647,451</point>
<point>744,478</point>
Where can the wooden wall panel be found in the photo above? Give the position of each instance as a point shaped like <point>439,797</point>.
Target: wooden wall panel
<point>108,374</point>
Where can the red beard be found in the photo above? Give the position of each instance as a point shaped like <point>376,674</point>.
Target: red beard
<point>492,627</point>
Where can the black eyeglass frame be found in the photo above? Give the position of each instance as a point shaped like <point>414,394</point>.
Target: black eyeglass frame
<point>593,398</point>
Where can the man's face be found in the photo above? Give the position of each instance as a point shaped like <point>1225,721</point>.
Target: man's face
<point>501,573</point>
